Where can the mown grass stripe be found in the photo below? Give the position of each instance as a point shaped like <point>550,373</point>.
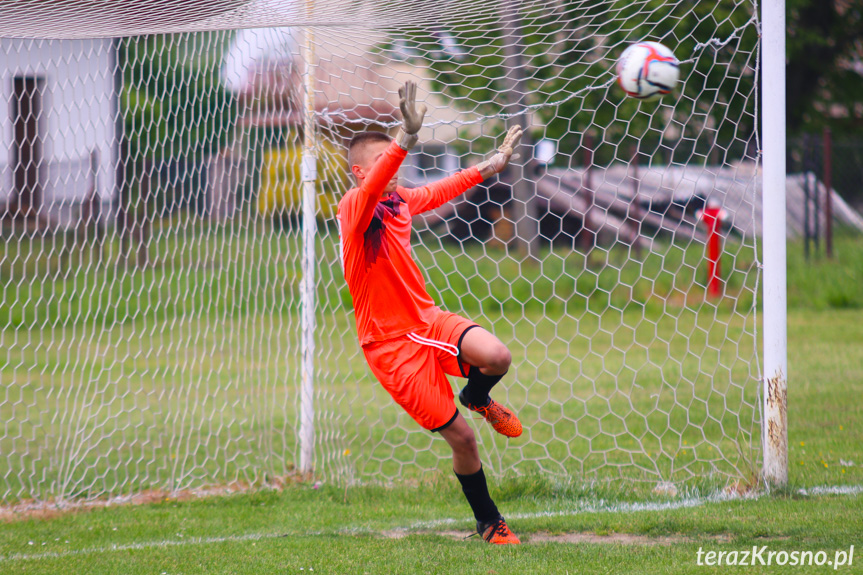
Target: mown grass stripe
<point>600,506</point>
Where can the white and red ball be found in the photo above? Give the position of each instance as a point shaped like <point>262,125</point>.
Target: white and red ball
<point>647,70</point>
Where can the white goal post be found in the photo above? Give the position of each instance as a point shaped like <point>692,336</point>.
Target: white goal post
<point>775,426</point>
<point>173,314</point>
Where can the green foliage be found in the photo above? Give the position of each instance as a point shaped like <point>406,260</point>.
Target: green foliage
<point>823,40</point>
<point>569,74</point>
<point>567,68</point>
<point>172,102</point>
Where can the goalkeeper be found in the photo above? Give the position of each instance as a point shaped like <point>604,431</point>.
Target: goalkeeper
<point>411,344</point>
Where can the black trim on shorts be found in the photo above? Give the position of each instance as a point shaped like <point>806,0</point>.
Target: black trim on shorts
<point>461,337</point>
<point>447,424</point>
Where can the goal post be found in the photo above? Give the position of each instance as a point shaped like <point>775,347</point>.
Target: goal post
<point>309,210</point>
<point>775,425</point>
<point>227,354</point>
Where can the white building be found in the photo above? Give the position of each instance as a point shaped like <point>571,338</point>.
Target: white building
<point>59,132</point>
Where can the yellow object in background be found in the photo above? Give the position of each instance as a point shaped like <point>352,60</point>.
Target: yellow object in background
<point>281,191</point>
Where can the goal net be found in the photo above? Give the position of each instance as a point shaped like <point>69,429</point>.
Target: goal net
<point>173,313</point>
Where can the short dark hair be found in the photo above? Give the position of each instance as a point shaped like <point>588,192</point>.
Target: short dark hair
<point>362,139</point>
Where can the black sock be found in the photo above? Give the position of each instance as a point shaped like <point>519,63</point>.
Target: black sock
<point>478,386</point>
<point>476,490</point>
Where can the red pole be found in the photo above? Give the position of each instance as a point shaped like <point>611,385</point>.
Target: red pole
<point>712,216</point>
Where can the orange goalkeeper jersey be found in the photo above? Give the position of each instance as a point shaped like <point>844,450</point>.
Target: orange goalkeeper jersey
<point>388,289</point>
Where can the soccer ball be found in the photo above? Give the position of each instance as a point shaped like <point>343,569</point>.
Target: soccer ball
<point>647,70</point>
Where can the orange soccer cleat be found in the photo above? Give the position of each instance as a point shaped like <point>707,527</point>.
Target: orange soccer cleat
<point>501,419</point>
<point>497,532</point>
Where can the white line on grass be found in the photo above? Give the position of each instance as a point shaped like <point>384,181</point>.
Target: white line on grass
<point>600,506</point>
<point>139,546</point>
<point>833,490</point>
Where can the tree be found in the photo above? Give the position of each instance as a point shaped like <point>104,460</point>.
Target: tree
<point>175,113</point>
<point>825,65</point>
<point>173,104</point>
<point>569,66</point>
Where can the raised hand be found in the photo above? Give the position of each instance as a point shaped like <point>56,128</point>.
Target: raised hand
<point>412,116</point>
<point>497,163</point>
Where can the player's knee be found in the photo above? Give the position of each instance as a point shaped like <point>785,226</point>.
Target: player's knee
<point>466,441</point>
<point>500,359</point>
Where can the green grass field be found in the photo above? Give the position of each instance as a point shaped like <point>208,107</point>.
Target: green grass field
<point>622,369</point>
<point>376,530</point>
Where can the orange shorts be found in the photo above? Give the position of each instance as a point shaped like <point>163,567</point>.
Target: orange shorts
<point>413,368</point>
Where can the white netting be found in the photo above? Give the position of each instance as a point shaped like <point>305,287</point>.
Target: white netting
<point>152,238</point>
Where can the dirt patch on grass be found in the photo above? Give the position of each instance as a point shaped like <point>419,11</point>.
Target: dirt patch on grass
<point>620,539</point>
<point>32,509</point>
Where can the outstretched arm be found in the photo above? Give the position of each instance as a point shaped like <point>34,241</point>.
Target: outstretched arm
<point>433,195</point>
<point>497,163</point>
<point>385,168</point>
